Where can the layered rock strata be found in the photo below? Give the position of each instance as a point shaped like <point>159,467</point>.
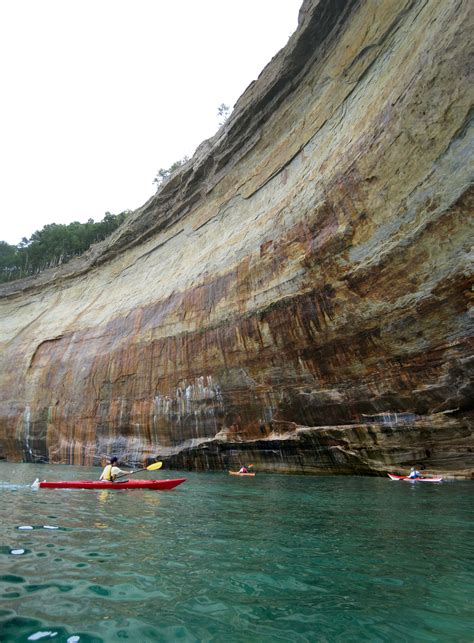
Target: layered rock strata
<point>297,294</point>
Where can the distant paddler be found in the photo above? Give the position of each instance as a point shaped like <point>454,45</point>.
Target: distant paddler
<point>243,471</point>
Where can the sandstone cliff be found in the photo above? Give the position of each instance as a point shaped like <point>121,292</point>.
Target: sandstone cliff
<point>296,294</point>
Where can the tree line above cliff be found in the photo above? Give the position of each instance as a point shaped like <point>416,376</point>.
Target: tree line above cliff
<point>55,244</point>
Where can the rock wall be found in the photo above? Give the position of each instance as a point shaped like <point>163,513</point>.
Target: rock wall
<point>297,294</point>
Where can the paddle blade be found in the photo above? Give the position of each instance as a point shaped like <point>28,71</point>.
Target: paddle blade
<point>155,466</point>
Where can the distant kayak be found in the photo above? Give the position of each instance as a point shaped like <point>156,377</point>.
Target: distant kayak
<point>237,473</point>
<point>158,485</point>
<point>407,479</point>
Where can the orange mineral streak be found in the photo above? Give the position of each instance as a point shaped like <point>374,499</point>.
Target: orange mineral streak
<point>297,295</point>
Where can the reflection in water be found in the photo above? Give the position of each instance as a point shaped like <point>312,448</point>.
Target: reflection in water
<point>151,500</point>
<point>271,558</point>
<point>103,496</point>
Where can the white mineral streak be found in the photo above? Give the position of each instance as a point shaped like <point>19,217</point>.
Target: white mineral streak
<point>307,268</point>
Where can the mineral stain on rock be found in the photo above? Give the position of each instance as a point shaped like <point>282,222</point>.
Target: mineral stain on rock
<point>297,294</point>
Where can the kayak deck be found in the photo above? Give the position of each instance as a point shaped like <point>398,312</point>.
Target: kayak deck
<point>158,485</point>
<point>237,473</point>
<point>407,479</point>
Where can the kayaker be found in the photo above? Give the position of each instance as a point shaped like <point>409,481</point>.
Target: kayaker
<point>243,470</point>
<point>111,471</point>
<point>414,473</point>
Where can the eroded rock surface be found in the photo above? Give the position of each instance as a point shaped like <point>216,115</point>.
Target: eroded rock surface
<point>297,294</point>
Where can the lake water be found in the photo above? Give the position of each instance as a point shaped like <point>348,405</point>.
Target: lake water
<point>270,558</point>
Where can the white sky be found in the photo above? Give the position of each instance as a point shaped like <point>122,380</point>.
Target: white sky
<point>98,95</point>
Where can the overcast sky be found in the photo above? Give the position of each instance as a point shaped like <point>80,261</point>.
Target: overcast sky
<point>98,95</point>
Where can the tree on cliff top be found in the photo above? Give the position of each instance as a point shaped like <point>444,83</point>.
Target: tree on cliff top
<point>223,112</point>
<point>164,174</point>
<point>53,245</point>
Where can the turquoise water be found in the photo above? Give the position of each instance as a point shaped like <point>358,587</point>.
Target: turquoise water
<point>270,558</point>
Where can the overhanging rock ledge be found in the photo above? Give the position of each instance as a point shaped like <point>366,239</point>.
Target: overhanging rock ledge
<point>297,294</point>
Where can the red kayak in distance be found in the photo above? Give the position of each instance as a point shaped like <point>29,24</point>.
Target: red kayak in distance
<point>407,479</point>
<point>157,485</point>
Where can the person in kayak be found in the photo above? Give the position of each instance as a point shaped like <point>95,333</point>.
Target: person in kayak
<point>243,470</point>
<point>414,473</point>
<point>111,471</point>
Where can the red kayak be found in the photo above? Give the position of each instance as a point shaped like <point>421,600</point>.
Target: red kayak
<point>407,479</point>
<point>157,485</point>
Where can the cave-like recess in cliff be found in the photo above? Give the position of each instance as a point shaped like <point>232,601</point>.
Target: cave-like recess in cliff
<point>296,295</point>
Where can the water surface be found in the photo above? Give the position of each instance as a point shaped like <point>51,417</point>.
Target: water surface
<point>270,558</point>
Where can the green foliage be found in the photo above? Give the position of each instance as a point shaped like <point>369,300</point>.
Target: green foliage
<point>8,261</point>
<point>55,244</point>
<point>164,174</point>
<point>223,111</point>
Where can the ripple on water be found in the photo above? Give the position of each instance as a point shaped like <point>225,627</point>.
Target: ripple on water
<point>19,628</point>
<point>288,559</point>
<point>45,587</point>
<point>11,578</point>
<point>31,527</point>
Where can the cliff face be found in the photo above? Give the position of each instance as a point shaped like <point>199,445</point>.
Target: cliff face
<point>297,294</point>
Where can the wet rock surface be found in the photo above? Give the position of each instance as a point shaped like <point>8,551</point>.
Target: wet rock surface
<point>305,272</point>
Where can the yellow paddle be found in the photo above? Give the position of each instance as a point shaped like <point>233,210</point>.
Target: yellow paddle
<point>151,467</point>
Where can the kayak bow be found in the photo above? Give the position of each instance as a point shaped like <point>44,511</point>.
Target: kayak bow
<point>157,485</point>
<point>407,479</point>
